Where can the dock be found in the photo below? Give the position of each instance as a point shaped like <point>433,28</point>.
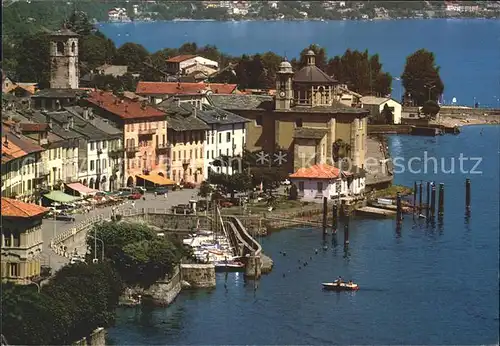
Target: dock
<point>376,211</point>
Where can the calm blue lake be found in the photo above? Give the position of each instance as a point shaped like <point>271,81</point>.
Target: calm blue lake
<point>468,51</point>
<point>424,284</point>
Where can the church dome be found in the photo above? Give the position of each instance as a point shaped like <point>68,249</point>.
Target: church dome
<point>285,66</point>
<point>310,52</point>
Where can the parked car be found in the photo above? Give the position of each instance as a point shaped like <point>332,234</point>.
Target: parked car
<point>161,190</point>
<point>189,185</point>
<point>140,189</point>
<point>135,195</point>
<point>76,259</point>
<point>226,204</point>
<point>64,217</point>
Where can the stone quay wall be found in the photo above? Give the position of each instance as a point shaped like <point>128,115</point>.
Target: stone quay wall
<point>198,275</point>
<point>96,338</point>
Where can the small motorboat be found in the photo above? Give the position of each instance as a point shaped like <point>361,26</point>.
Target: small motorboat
<point>229,266</point>
<point>342,286</point>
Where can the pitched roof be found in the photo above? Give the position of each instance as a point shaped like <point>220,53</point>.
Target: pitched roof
<point>214,115</point>
<point>319,171</point>
<point>10,151</point>
<point>309,133</point>
<point>34,127</point>
<point>373,100</point>
<point>123,108</point>
<point>21,141</point>
<point>98,122</point>
<point>334,108</point>
<point>80,125</point>
<point>181,58</point>
<point>181,118</point>
<point>241,101</point>
<point>14,208</point>
<point>59,93</point>
<point>64,32</point>
<point>180,88</point>
<point>312,74</point>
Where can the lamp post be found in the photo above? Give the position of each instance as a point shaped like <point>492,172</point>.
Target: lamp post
<point>37,285</point>
<point>400,89</point>
<point>95,248</point>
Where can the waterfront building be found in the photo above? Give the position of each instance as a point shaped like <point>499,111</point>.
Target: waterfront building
<point>348,97</point>
<point>144,131</point>
<point>21,160</point>
<point>187,141</point>
<point>376,107</point>
<point>194,93</point>
<point>187,65</point>
<point>21,240</point>
<point>225,138</point>
<point>304,119</point>
<point>324,180</point>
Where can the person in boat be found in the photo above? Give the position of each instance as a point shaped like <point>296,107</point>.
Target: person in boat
<point>350,282</point>
<point>339,281</point>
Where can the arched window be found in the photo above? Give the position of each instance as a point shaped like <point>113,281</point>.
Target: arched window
<point>73,47</point>
<point>60,48</point>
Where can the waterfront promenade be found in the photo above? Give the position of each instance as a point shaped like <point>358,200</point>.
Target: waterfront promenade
<point>51,228</point>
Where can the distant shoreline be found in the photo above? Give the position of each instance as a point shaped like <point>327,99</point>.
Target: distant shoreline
<point>294,20</point>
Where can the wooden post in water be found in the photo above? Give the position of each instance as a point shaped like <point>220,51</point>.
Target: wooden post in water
<point>414,197</point>
<point>427,209</point>
<point>420,198</point>
<point>433,200</point>
<point>441,200</point>
<point>399,211</point>
<point>334,219</point>
<point>467,195</point>
<point>325,213</point>
<point>346,229</point>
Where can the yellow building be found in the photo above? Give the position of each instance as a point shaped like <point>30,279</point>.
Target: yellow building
<point>186,133</point>
<point>21,240</point>
<point>21,162</point>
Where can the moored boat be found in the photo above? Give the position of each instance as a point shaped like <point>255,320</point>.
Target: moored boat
<point>229,266</point>
<point>343,286</point>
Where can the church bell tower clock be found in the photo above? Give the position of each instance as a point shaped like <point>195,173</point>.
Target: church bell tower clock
<point>284,90</point>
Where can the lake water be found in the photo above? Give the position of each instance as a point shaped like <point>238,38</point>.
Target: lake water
<point>423,284</point>
<point>468,51</point>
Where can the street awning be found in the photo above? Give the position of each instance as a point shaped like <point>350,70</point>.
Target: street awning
<point>61,197</point>
<point>157,179</point>
<point>82,189</point>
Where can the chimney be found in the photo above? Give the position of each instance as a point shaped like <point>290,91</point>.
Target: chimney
<point>195,112</point>
<point>17,128</point>
<point>6,142</point>
<point>58,105</point>
<point>71,121</point>
<point>85,113</point>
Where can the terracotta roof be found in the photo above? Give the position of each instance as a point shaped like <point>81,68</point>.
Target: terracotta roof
<point>180,88</point>
<point>14,208</point>
<point>320,171</point>
<point>10,151</point>
<point>124,108</point>
<point>29,87</point>
<point>181,58</point>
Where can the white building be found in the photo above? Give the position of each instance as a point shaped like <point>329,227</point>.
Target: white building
<point>179,64</point>
<point>323,180</point>
<point>376,106</point>
<point>226,138</point>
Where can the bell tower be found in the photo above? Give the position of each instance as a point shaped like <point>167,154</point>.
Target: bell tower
<point>64,71</point>
<point>284,89</point>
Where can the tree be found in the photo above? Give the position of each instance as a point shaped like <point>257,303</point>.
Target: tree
<point>34,60</point>
<point>421,78</point>
<point>205,189</point>
<point>131,54</point>
<point>95,51</point>
<point>136,252</point>
<point>361,73</point>
<point>431,109</point>
<point>79,23</point>
<point>237,182</point>
<point>294,193</point>
<point>387,115</point>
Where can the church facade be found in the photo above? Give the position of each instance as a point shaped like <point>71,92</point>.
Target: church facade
<point>305,119</point>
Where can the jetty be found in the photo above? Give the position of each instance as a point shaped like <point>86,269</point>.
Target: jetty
<point>373,211</point>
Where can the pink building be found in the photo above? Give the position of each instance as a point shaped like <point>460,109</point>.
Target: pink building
<point>146,153</point>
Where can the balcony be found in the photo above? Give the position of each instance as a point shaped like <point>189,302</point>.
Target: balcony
<point>115,152</point>
<point>163,146</point>
<point>131,150</point>
<point>147,131</point>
